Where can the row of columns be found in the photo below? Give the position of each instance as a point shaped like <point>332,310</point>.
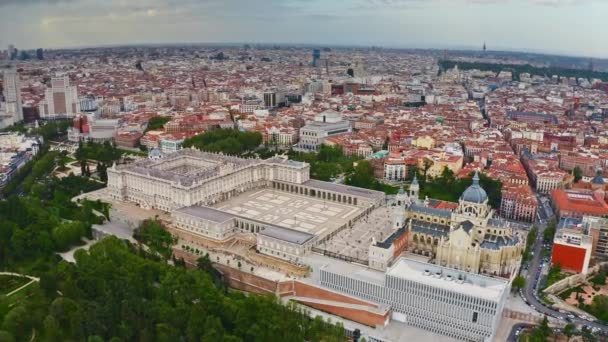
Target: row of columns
<point>247,226</point>
<point>326,195</point>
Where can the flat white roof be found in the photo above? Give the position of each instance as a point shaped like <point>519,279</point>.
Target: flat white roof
<point>473,284</point>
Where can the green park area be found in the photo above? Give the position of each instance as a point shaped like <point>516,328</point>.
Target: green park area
<point>117,291</point>
<point>590,296</point>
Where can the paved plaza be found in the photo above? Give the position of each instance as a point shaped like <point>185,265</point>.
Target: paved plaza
<point>298,212</point>
<point>355,242</point>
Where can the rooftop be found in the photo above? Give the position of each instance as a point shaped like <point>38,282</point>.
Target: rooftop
<point>207,213</point>
<point>285,234</point>
<point>345,189</point>
<point>447,279</point>
<point>585,202</point>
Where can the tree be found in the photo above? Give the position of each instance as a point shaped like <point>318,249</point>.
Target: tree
<point>51,329</point>
<point>519,283</point>
<point>17,322</point>
<point>83,167</point>
<point>569,330</point>
<point>153,234</point>
<point>587,335</point>
<point>5,336</point>
<point>578,174</point>
<point>204,264</point>
<point>427,164</point>
<point>544,327</point>
<point>363,176</point>
<point>549,232</point>
<point>599,279</point>
<point>157,123</point>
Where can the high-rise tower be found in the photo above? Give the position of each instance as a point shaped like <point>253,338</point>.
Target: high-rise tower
<point>60,100</point>
<point>316,56</point>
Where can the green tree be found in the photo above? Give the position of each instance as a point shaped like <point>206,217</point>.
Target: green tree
<point>570,330</point>
<point>587,335</point>
<point>599,279</point>
<point>5,336</point>
<point>51,329</point>
<point>204,264</point>
<point>17,322</point>
<point>157,123</point>
<point>153,234</point>
<point>519,283</point>
<point>578,174</point>
<point>549,232</point>
<point>544,329</point>
<point>363,176</point>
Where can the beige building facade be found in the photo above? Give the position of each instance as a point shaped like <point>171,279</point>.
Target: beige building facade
<point>469,238</point>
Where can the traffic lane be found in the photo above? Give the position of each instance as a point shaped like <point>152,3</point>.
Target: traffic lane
<point>516,330</point>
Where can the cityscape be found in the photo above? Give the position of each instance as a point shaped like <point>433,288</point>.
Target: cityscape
<point>260,191</point>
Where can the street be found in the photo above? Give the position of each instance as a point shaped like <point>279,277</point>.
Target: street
<point>533,277</point>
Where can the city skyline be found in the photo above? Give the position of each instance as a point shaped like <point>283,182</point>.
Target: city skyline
<point>439,24</point>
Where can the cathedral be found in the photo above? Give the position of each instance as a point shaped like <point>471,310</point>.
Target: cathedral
<point>469,237</point>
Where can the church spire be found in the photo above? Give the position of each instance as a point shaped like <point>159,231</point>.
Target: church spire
<point>476,178</point>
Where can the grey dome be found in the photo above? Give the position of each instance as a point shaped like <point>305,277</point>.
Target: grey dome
<point>474,193</point>
<point>401,190</point>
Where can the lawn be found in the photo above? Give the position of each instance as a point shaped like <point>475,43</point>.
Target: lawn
<point>9,283</point>
<point>133,153</point>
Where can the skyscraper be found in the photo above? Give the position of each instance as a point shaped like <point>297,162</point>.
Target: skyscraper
<point>11,53</point>
<point>60,100</point>
<point>316,55</point>
<point>12,94</point>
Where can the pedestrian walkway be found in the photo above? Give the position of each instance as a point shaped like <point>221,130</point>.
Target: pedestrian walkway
<point>32,280</point>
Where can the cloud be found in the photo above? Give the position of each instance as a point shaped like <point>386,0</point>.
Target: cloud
<point>550,3</point>
<point>31,2</point>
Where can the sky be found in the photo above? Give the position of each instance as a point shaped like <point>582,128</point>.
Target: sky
<point>569,27</point>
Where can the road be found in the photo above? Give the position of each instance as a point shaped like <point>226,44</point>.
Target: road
<point>513,335</point>
<point>533,277</point>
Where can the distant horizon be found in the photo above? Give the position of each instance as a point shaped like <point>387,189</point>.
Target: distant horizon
<point>557,27</point>
<point>318,45</point>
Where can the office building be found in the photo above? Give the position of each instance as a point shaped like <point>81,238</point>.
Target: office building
<point>597,228</point>
<point>572,250</point>
<point>446,301</point>
<point>316,56</point>
<point>60,100</point>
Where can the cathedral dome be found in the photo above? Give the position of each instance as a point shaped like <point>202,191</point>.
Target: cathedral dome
<point>474,193</point>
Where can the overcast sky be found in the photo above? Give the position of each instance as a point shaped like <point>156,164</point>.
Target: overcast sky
<point>573,27</point>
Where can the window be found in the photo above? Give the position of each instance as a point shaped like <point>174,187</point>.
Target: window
<point>475,314</point>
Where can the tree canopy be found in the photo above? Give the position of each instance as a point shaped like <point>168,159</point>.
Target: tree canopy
<point>117,291</point>
<point>449,188</point>
<point>520,69</point>
<point>157,123</point>
<point>228,141</point>
<point>153,234</point>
